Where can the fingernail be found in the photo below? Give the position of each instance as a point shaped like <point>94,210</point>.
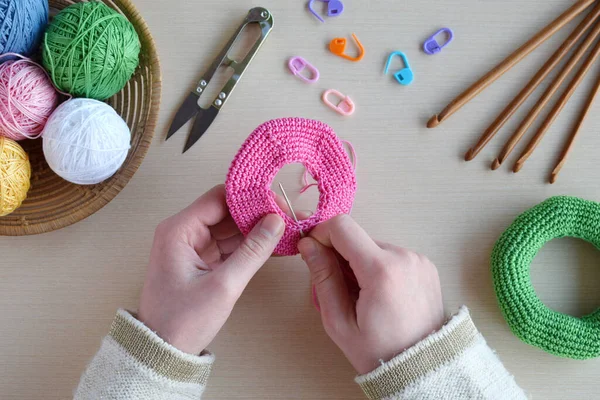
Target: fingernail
<point>272,225</point>
<point>305,214</point>
<point>308,249</point>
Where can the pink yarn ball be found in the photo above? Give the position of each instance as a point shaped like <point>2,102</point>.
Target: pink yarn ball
<point>27,99</point>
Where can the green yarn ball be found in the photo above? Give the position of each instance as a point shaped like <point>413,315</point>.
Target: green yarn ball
<point>528,318</point>
<point>90,50</point>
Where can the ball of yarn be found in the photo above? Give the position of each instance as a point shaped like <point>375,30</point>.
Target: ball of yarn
<point>27,98</point>
<point>85,141</point>
<point>15,175</point>
<point>22,24</point>
<point>90,50</point>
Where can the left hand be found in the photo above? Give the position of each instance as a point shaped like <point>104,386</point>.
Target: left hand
<point>199,266</point>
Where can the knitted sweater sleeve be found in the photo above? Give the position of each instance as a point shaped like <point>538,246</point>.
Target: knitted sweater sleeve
<point>134,363</point>
<point>454,363</point>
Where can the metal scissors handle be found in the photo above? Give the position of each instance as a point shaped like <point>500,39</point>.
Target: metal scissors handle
<point>205,117</point>
<point>256,15</point>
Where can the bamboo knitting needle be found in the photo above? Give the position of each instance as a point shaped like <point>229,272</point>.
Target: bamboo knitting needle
<point>546,97</point>
<point>558,107</point>
<point>538,78</point>
<point>510,61</point>
<point>569,145</point>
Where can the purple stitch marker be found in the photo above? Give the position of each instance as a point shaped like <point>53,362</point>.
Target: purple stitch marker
<point>334,8</point>
<point>431,46</point>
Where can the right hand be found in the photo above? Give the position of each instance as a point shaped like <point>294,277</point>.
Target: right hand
<point>398,301</point>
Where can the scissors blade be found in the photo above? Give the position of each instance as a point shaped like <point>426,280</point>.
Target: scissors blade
<point>203,121</point>
<point>188,109</point>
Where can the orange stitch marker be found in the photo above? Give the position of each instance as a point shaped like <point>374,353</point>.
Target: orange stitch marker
<point>338,46</point>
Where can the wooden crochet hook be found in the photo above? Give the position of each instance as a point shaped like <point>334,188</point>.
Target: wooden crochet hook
<point>510,61</point>
<point>546,97</point>
<point>576,129</point>
<point>558,107</point>
<point>533,84</point>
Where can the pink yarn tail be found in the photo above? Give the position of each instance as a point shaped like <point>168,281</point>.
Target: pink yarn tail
<point>352,153</point>
<point>305,182</point>
<point>354,165</point>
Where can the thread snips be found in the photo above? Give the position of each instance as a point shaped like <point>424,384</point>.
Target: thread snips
<point>205,117</point>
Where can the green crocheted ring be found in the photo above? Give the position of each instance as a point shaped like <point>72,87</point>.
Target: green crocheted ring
<point>527,316</point>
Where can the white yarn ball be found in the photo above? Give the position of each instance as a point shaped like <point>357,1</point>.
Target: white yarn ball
<point>85,141</point>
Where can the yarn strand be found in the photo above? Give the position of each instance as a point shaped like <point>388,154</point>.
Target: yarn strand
<point>353,155</point>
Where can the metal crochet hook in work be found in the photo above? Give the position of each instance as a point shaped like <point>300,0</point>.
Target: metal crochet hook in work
<point>289,203</point>
<point>205,117</point>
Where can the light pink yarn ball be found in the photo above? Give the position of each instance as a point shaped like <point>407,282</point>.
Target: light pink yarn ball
<point>27,99</point>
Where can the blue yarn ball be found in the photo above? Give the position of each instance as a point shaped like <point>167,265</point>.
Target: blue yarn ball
<point>22,25</point>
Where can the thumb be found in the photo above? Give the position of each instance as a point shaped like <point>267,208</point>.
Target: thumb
<point>329,285</point>
<point>255,250</point>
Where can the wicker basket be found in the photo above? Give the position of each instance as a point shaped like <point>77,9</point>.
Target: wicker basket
<point>53,203</point>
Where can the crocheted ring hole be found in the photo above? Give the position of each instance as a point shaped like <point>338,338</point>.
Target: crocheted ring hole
<point>566,277</point>
<point>304,198</point>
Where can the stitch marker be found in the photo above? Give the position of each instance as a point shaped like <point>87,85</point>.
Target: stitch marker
<point>405,76</point>
<point>431,45</point>
<point>338,45</point>
<point>345,107</point>
<point>334,8</point>
<point>298,64</point>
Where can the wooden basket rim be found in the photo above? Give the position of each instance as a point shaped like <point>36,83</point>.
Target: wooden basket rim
<point>129,169</point>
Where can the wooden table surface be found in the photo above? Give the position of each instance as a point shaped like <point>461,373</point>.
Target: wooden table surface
<point>59,291</point>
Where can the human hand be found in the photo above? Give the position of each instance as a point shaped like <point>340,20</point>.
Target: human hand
<point>199,266</point>
<point>394,302</point>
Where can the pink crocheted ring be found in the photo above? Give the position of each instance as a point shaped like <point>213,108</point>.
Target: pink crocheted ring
<point>275,144</point>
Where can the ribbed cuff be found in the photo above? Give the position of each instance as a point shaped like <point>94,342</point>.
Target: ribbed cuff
<point>425,357</point>
<point>153,352</point>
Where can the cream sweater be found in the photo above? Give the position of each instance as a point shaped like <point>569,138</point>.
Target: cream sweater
<point>453,363</point>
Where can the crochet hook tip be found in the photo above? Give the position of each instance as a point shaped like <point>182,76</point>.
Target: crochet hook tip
<point>433,122</point>
<point>553,177</point>
<point>518,166</point>
<point>496,164</point>
<point>470,155</point>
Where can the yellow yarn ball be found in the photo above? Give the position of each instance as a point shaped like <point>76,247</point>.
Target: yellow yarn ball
<point>15,175</point>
